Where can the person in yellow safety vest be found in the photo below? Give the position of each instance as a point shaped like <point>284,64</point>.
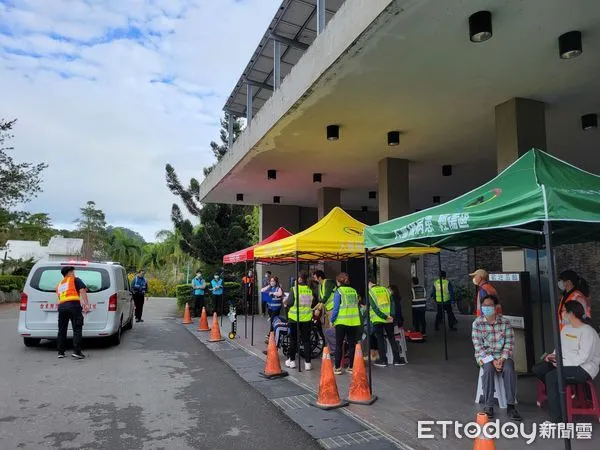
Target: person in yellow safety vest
<point>326,289</point>
<point>72,304</point>
<point>443,293</point>
<point>346,320</point>
<point>381,313</point>
<point>300,315</point>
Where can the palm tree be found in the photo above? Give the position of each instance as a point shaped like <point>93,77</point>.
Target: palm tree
<point>124,249</point>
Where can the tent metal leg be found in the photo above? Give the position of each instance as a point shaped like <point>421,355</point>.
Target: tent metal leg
<point>245,300</point>
<point>442,304</point>
<point>297,303</point>
<point>539,280</point>
<point>369,368</point>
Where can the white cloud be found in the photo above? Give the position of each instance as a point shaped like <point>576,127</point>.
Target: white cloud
<point>81,77</point>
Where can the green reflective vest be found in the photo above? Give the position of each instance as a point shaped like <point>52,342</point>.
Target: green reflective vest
<point>323,287</point>
<point>349,313</point>
<point>302,305</point>
<point>383,299</point>
<point>439,289</point>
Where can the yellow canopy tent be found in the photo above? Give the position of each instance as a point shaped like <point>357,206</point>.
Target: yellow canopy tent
<point>337,236</point>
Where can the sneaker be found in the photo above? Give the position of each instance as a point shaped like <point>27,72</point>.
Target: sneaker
<point>380,363</point>
<point>61,355</point>
<point>424,335</point>
<point>141,320</point>
<point>512,413</point>
<point>307,366</point>
<point>349,370</point>
<point>338,371</point>
<point>265,353</point>
<point>78,355</point>
<point>400,362</point>
<point>287,362</point>
<point>489,411</point>
<point>138,320</point>
<point>292,365</point>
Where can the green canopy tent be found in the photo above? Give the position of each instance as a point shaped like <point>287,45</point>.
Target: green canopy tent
<point>537,202</point>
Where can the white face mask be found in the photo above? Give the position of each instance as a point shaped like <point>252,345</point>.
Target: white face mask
<point>273,283</point>
<point>475,282</point>
<point>561,285</point>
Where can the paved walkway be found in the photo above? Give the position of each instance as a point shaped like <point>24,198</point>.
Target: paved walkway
<point>428,388</point>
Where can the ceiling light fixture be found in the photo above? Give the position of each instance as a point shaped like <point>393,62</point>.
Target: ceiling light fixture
<point>317,177</point>
<point>239,197</point>
<point>589,121</point>
<point>447,170</point>
<point>569,45</point>
<point>277,199</point>
<point>437,199</point>
<point>372,194</point>
<point>333,132</point>
<point>480,26</point>
<point>364,208</point>
<point>271,174</point>
<point>393,138</point>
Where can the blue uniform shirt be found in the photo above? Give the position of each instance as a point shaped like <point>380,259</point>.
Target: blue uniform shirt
<point>197,285</point>
<point>217,286</point>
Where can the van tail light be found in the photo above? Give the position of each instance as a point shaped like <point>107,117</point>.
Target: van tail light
<point>24,300</point>
<point>112,303</point>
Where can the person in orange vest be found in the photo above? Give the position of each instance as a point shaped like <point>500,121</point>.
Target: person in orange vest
<point>484,289</point>
<point>248,282</point>
<point>573,288</point>
<point>72,304</point>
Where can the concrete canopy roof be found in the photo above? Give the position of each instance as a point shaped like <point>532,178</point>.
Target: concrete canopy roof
<point>295,20</point>
<point>409,65</point>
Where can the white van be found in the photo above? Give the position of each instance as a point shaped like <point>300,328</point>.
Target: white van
<point>111,304</point>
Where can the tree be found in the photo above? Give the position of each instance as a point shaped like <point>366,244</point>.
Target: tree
<point>219,150</point>
<point>133,235</point>
<point>25,226</point>
<point>20,181</point>
<point>124,248</point>
<point>92,225</point>
<point>222,228</point>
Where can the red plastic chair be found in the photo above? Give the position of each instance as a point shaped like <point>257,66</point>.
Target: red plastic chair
<point>579,402</point>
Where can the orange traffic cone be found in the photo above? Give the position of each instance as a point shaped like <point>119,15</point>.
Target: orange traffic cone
<point>187,316</point>
<point>328,398</point>
<point>203,324</point>
<point>359,385</point>
<point>215,332</point>
<point>481,442</point>
<point>273,366</point>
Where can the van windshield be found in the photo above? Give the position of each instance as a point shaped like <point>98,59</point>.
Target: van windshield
<point>46,279</point>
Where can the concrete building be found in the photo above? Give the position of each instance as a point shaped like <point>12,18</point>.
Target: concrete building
<point>383,107</point>
<point>59,248</point>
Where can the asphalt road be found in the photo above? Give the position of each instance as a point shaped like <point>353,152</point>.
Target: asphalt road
<point>160,389</point>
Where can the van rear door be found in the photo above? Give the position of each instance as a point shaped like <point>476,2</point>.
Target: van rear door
<point>42,309</point>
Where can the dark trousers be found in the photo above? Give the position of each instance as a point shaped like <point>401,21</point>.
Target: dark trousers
<point>198,304</point>
<point>138,301</point>
<point>69,311</point>
<point>549,375</point>
<point>419,322</point>
<point>350,334</point>
<point>217,300</point>
<point>441,307</point>
<point>305,328</point>
<point>388,329</point>
<point>509,378</point>
<point>273,313</point>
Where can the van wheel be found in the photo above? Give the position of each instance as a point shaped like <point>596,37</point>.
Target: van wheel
<point>115,339</point>
<point>129,325</point>
<point>31,342</point>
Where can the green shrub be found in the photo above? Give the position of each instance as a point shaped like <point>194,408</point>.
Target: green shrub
<point>12,282</point>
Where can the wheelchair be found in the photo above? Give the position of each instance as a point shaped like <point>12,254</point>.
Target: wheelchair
<point>316,343</point>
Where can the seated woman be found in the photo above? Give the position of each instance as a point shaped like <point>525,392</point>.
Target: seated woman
<point>581,356</point>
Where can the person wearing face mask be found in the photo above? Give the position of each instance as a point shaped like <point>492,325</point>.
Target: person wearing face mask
<point>346,320</point>
<point>198,285</point>
<point>573,288</point>
<point>494,341</point>
<point>484,288</point>
<point>580,353</point>
<point>443,294</point>
<point>248,283</point>
<point>275,293</point>
<point>217,293</point>
<point>300,316</point>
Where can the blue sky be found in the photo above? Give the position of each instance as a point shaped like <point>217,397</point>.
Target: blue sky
<point>107,91</point>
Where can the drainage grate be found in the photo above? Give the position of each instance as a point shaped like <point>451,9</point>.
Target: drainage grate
<point>295,402</point>
<point>348,440</point>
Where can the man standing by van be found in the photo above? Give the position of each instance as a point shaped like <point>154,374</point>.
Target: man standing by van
<point>72,304</point>
<point>139,287</point>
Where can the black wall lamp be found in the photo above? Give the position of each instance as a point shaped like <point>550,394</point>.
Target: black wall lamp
<point>271,174</point>
<point>317,177</point>
<point>447,170</point>
<point>372,194</point>
<point>364,208</point>
<point>239,197</point>
<point>277,199</point>
<point>589,121</point>
<point>569,45</point>
<point>333,132</point>
<point>480,26</point>
<point>437,199</point>
<point>393,138</point>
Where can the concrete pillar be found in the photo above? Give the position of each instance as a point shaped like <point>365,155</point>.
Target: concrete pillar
<point>520,126</point>
<point>394,202</point>
<point>329,198</point>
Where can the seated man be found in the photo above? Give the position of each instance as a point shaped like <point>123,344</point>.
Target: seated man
<point>494,340</point>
